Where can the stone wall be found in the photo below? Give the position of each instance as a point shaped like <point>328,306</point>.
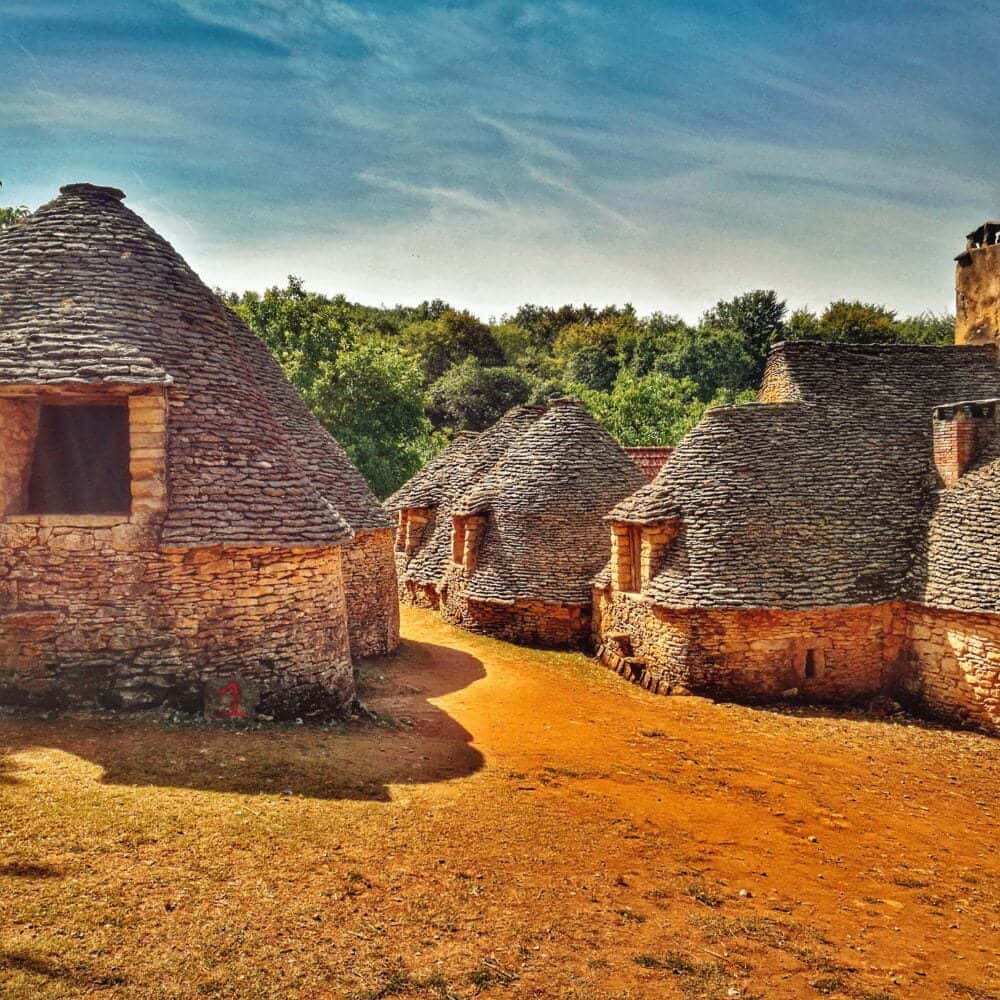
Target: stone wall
<point>419,595</point>
<point>85,618</point>
<point>93,610</point>
<point>834,655</point>
<point>372,598</point>
<point>977,296</point>
<point>945,663</point>
<point>529,623</point>
<point>953,665</point>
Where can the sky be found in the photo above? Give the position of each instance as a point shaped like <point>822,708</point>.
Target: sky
<point>495,152</point>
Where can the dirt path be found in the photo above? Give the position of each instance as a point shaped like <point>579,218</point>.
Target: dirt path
<point>533,827</point>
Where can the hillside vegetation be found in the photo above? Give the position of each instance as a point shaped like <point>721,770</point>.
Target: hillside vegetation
<point>394,384</point>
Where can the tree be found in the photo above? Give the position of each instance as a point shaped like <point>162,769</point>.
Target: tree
<point>302,329</point>
<point>371,399</point>
<point>361,387</point>
<point>448,340</point>
<point>803,324</point>
<point>927,328</point>
<point>590,353</point>
<point>654,409</point>
<point>758,316</point>
<point>855,322</point>
<point>12,216</point>
<point>714,360</point>
<point>519,345</point>
<point>470,397</point>
<point>653,335</point>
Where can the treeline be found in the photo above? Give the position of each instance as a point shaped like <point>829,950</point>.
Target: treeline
<point>394,384</point>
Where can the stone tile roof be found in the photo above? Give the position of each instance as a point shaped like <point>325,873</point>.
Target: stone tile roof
<point>545,537</point>
<point>90,293</point>
<point>819,496</point>
<point>958,565</point>
<point>430,485</point>
<point>445,479</point>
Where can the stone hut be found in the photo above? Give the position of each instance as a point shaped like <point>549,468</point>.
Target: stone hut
<point>527,539</point>
<point>174,524</point>
<point>835,540</point>
<point>423,506</point>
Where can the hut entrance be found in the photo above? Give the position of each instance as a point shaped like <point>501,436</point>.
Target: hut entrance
<point>80,463</point>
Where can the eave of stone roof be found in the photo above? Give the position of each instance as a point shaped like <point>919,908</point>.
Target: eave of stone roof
<point>430,484</point>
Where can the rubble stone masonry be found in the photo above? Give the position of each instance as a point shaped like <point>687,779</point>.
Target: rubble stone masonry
<point>86,617</point>
<point>372,602</point>
<point>93,610</point>
<point>835,655</point>
<point>953,664</point>
<point>547,624</point>
<point>944,662</point>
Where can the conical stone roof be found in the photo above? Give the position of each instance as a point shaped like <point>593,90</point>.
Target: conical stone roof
<point>545,502</point>
<point>428,487</point>
<point>820,495</point>
<point>441,483</point>
<point>89,293</point>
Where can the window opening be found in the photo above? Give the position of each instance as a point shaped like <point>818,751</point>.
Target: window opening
<point>80,463</point>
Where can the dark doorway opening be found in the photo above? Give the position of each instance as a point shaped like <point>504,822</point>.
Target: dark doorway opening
<point>81,461</point>
<point>810,664</point>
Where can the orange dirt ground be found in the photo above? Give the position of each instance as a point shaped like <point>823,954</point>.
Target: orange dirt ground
<point>530,826</point>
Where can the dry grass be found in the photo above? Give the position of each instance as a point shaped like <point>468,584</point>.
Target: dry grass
<point>516,824</point>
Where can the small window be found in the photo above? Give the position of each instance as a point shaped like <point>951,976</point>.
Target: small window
<point>458,540</point>
<point>80,463</point>
<point>635,557</point>
<point>809,667</point>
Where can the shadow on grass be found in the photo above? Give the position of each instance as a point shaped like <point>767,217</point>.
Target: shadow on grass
<point>414,742</point>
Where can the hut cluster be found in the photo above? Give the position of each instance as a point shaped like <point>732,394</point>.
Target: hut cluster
<point>503,532</point>
<point>175,526</point>
<point>838,539</point>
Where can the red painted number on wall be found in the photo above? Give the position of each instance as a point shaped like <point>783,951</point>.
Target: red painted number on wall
<point>234,711</point>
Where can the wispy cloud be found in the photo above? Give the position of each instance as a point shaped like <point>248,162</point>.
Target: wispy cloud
<point>570,148</point>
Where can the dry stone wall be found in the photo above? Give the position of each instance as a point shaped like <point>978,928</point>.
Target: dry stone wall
<point>829,655</point>
<point>546,624</point>
<point>945,663</point>
<point>372,600</point>
<point>953,664</point>
<point>87,617</point>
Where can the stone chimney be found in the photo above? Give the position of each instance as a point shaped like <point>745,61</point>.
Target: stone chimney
<point>961,433</point>
<point>977,287</point>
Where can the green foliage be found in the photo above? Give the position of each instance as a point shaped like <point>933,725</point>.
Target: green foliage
<point>927,328</point>
<point>651,409</point>
<point>759,318</point>
<point>394,384</point>
<point>12,216</point>
<point>471,397</point>
<point>365,391</point>
<point>371,398</point>
<point>846,322</point>
<point>715,360</point>
<point>450,339</point>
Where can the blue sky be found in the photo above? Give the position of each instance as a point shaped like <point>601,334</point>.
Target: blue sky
<point>492,152</point>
